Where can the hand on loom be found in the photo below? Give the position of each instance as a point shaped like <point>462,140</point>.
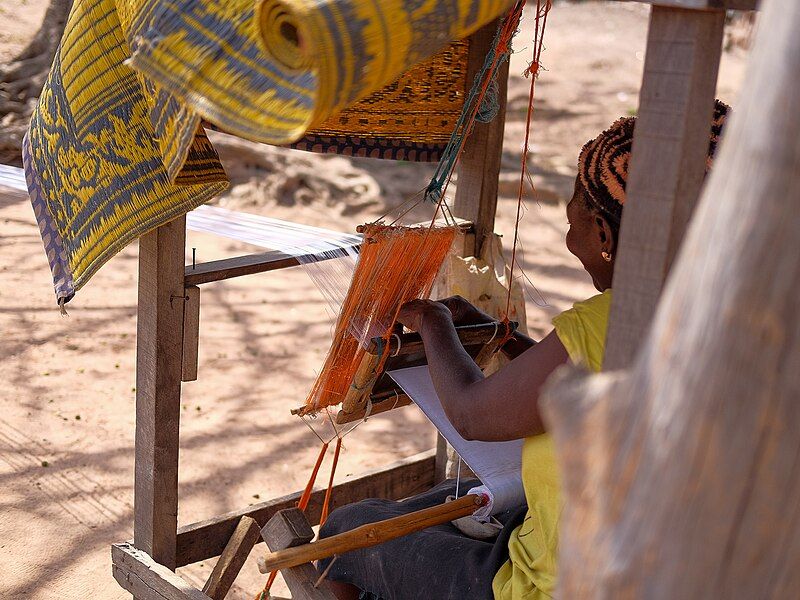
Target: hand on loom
<point>501,407</point>
<point>462,313</point>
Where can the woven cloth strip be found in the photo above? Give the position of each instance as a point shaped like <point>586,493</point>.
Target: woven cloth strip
<point>116,147</point>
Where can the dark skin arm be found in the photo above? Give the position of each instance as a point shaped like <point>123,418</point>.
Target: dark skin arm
<point>501,407</point>
<point>464,313</point>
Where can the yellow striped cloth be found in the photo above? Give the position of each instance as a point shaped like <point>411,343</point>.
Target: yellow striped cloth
<point>116,148</point>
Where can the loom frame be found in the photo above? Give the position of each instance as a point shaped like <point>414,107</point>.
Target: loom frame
<point>681,66</point>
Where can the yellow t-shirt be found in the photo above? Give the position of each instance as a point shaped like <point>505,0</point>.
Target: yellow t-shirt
<point>530,571</point>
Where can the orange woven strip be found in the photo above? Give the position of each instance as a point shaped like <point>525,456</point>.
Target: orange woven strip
<point>395,265</point>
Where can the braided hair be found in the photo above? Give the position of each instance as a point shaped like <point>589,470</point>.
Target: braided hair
<point>603,164</point>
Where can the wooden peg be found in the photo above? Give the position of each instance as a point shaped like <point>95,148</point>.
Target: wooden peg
<point>191,333</point>
<point>286,529</point>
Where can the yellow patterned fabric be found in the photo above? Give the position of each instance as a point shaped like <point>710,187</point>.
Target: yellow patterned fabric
<point>116,147</point>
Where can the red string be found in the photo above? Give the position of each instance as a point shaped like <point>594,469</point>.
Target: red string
<point>326,505</point>
<point>532,71</point>
<point>302,504</point>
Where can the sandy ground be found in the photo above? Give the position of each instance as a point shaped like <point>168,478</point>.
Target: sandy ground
<point>67,384</point>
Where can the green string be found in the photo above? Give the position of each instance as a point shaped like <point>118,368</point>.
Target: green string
<point>488,110</point>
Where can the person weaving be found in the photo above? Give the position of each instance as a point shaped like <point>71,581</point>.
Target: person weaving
<point>442,562</point>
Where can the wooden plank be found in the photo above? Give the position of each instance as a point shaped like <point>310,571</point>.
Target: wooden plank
<point>230,563</point>
<point>191,333</point>
<point>158,388</point>
<point>479,168</point>
<point>143,577</point>
<point>667,166</point>
<point>227,268</point>
<point>372,534</point>
<point>206,539</point>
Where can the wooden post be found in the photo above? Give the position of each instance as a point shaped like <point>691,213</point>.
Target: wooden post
<point>681,476</point>
<point>478,175</point>
<point>158,388</point>
<point>479,168</point>
<point>667,166</point>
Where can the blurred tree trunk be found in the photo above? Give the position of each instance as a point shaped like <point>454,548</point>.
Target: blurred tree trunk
<point>22,79</point>
<point>681,476</point>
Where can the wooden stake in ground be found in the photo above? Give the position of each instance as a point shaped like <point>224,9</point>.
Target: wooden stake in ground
<point>682,477</point>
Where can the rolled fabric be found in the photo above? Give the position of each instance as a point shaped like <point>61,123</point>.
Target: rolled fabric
<point>271,70</point>
<point>503,494</point>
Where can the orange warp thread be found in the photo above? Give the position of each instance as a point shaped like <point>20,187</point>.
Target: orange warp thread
<point>326,505</point>
<point>396,264</point>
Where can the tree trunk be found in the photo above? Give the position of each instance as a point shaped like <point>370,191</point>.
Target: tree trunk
<point>23,78</point>
<point>681,477</point>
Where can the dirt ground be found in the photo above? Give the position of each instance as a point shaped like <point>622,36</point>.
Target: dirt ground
<point>67,383</point>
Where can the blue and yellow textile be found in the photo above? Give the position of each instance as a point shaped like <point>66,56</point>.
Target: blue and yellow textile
<point>116,147</point>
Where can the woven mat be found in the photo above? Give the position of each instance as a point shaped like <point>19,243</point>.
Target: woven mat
<point>116,147</point>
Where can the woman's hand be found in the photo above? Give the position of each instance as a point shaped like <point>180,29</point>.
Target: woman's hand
<point>464,313</point>
<point>412,314</point>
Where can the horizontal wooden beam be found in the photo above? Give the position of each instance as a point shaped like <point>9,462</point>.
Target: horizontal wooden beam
<point>249,264</point>
<point>227,268</point>
<point>704,4</point>
<point>143,577</point>
<point>206,539</point>
<point>469,335</point>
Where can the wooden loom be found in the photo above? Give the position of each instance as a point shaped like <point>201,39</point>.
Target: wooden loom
<point>683,52</point>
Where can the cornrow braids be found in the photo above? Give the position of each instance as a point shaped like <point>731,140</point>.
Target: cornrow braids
<point>604,161</point>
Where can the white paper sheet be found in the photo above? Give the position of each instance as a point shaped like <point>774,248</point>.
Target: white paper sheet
<point>497,464</point>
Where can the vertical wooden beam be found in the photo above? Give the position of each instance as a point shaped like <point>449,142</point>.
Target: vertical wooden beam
<point>191,333</point>
<point>158,387</point>
<point>478,175</point>
<point>479,168</point>
<point>667,166</point>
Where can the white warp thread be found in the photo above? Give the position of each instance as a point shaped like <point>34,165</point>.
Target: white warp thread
<point>293,239</point>
<point>497,464</point>
<point>13,177</point>
<point>314,247</point>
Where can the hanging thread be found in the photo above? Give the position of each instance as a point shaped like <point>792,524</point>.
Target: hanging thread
<point>479,101</point>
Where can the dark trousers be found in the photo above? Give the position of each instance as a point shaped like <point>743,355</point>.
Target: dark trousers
<point>438,563</point>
